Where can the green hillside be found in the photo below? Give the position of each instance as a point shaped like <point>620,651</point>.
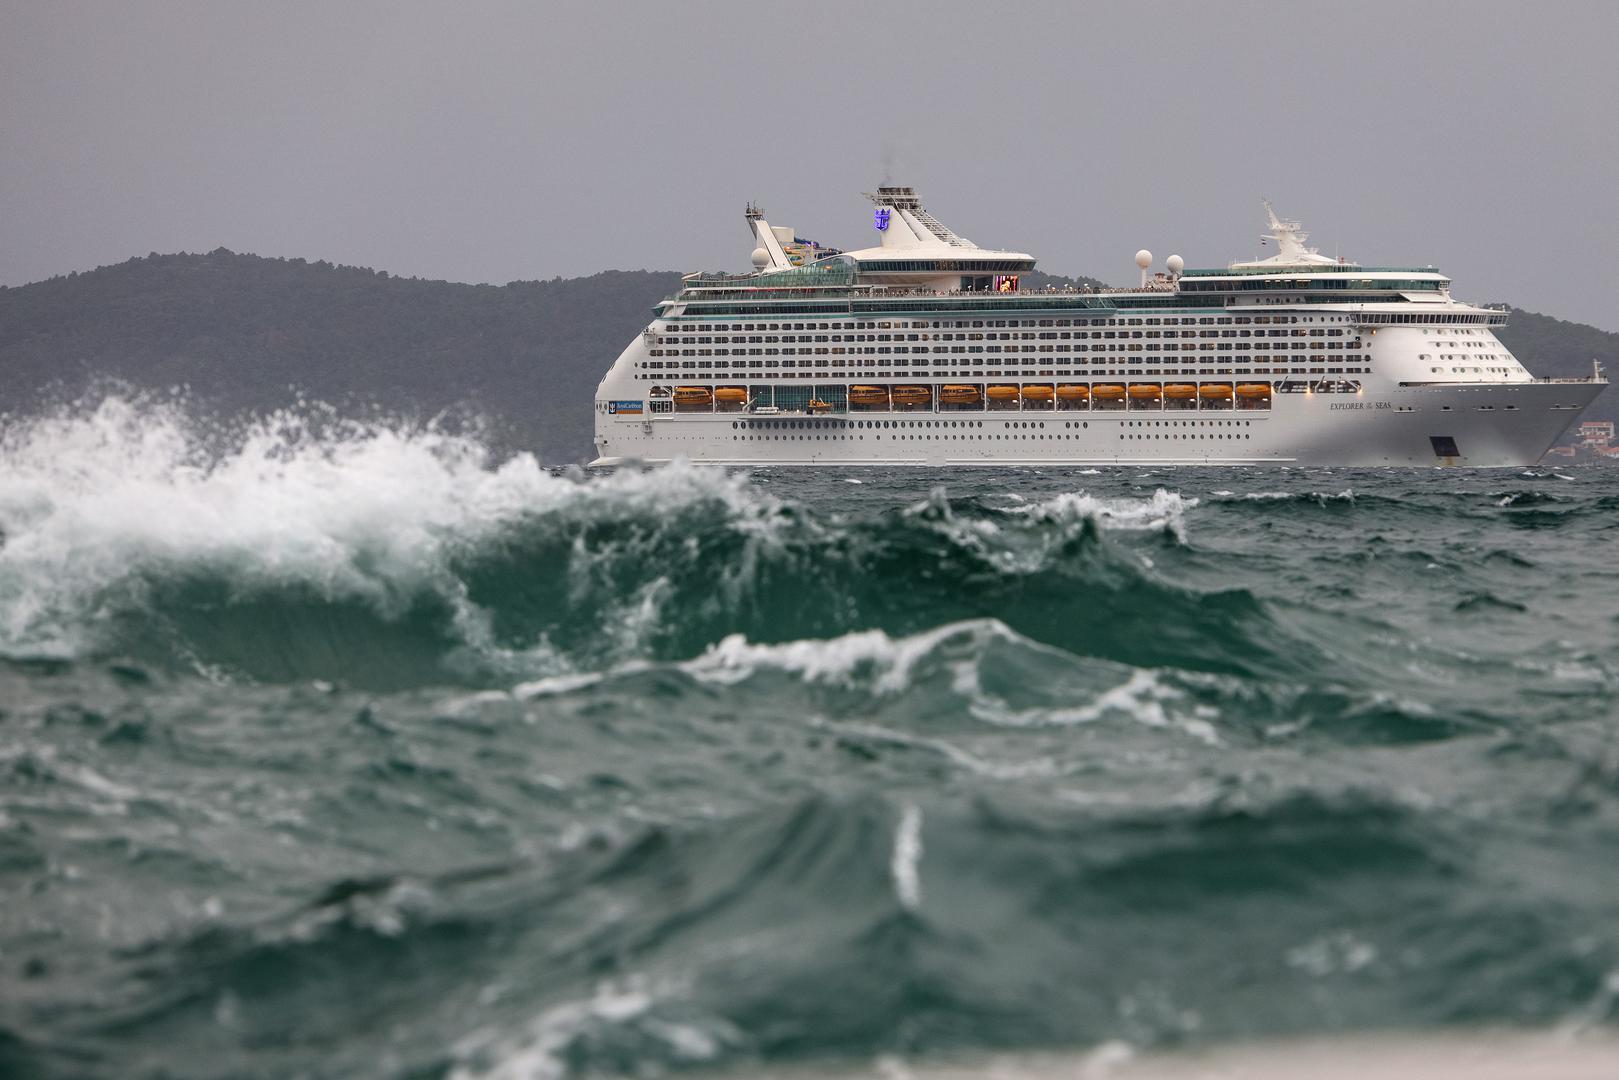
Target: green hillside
<point>1553,347</point>
<point>244,332</point>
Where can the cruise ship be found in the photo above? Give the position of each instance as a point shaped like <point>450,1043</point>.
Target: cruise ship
<point>924,350</point>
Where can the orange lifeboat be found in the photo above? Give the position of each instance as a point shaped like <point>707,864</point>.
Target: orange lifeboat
<point>868,395</point>
<point>1038,393</point>
<point>1145,391</point>
<point>1253,390</point>
<point>1107,391</point>
<point>693,395</point>
<point>912,395</point>
<point>958,395</point>
<point>1073,392</point>
<point>817,405</point>
<point>731,394</point>
<point>1216,391</point>
<point>1002,393</point>
<point>1180,391</point>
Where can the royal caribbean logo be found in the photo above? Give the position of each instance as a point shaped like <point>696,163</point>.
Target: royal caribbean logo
<point>882,219</point>
<point>624,408</point>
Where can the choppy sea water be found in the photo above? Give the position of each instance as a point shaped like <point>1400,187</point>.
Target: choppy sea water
<point>346,750</point>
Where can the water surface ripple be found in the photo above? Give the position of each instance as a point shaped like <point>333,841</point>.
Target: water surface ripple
<point>338,749</point>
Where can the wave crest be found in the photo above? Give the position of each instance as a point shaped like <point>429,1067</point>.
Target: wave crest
<point>391,554</point>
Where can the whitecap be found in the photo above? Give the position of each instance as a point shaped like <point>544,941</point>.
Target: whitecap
<point>885,661</point>
<point>1144,697</point>
<point>98,503</point>
<point>907,857</point>
<point>1162,511</point>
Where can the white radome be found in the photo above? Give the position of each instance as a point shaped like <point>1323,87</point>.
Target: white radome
<point>761,258</point>
<point>1143,258</point>
<point>1175,263</point>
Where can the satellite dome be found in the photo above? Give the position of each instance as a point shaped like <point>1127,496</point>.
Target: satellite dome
<point>761,258</point>
<point>1143,258</point>
<point>1176,264</point>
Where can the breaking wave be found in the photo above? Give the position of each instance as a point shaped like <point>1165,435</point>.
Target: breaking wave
<point>393,555</point>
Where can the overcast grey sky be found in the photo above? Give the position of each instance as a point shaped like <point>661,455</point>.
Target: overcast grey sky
<point>498,141</point>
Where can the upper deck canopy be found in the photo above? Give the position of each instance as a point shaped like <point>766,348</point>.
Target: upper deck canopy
<point>915,247</point>
<point>919,254</point>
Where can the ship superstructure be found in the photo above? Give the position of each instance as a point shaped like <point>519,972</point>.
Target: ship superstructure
<point>924,349</point>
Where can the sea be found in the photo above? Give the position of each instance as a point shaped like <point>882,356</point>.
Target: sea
<point>336,747</point>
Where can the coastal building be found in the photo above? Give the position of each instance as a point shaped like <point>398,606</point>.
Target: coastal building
<point>1595,436</point>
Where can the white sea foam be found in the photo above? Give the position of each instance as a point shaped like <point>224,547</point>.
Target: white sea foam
<point>1339,952</point>
<point>624,1009</point>
<point>907,858</point>
<point>998,541</point>
<point>870,658</point>
<point>1254,496</point>
<point>97,503</point>
<point>1163,511</point>
<point>557,684</point>
<point>875,662</point>
<point>1144,697</point>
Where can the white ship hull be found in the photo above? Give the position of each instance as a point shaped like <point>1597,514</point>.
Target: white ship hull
<point>1489,426</point>
<point>921,351</point>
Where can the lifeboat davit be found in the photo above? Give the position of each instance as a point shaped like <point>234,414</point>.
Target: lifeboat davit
<point>1073,392</point>
<point>1180,391</point>
<point>1038,393</point>
<point>731,394</point>
<point>958,395</point>
<point>693,395</point>
<point>1217,391</point>
<point>912,395</point>
<point>1002,393</point>
<point>868,395</point>
<point>1107,391</point>
<point>1145,391</point>
<point>1253,390</point>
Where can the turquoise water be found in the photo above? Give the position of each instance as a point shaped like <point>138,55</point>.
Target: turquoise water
<point>339,749</point>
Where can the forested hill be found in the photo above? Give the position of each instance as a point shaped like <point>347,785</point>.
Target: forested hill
<point>1553,347</point>
<point>244,332</point>
<point>1549,346</point>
